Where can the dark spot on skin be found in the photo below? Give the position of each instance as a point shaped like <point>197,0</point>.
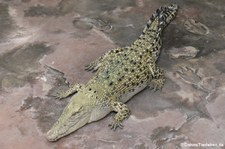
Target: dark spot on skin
<point>129,79</point>
<point>137,84</point>
<point>137,76</point>
<point>119,79</point>
<point>89,89</point>
<point>118,62</point>
<point>140,56</point>
<point>125,69</point>
<point>132,70</point>
<point>143,33</point>
<point>152,44</point>
<point>95,91</point>
<point>117,51</point>
<point>155,39</point>
<point>111,83</point>
<point>115,104</point>
<point>134,63</point>
<point>152,30</point>
<point>152,18</point>
<point>142,81</point>
<point>124,92</point>
<point>125,54</point>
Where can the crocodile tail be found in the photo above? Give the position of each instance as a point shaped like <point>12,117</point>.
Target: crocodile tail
<point>160,19</point>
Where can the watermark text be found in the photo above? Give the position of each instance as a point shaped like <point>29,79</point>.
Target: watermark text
<point>185,144</point>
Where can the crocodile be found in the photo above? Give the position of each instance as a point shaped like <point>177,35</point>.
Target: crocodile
<point>119,74</point>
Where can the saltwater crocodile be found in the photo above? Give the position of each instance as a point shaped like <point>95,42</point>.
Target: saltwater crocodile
<point>119,74</point>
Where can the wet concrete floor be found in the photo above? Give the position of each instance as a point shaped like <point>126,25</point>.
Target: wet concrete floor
<point>46,44</point>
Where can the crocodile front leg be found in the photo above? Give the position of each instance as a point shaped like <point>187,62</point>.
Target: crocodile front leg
<point>157,84</point>
<point>158,79</point>
<point>122,113</point>
<point>74,88</point>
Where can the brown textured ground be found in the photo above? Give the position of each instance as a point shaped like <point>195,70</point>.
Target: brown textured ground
<point>44,43</point>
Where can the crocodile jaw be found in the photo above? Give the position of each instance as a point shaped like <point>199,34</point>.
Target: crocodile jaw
<point>75,115</point>
<point>60,130</point>
<point>64,126</point>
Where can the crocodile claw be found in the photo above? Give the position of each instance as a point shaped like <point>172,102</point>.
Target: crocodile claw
<point>59,95</point>
<point>114,125</point>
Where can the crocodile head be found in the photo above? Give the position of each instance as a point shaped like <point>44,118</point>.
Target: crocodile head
<point>80,111</point>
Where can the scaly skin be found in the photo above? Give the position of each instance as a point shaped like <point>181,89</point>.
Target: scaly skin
<point>120,74</point>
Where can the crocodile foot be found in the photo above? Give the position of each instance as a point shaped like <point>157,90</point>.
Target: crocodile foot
<point>114,125</point>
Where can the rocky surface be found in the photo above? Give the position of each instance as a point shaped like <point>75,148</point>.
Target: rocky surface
<point>183,52</point>
<point>46,44</point>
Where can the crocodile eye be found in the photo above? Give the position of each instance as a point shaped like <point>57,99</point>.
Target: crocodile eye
<point>111,83</point>
<point>77,111</point>
<point>74,113</point>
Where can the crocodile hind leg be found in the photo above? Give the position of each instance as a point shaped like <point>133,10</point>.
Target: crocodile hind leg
<point>74,88</point>
<point>158,79</point>
<point>94,65</point>
<point>122,113</point>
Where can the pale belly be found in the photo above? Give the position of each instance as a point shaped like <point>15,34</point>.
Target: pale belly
<point>100,112</point>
